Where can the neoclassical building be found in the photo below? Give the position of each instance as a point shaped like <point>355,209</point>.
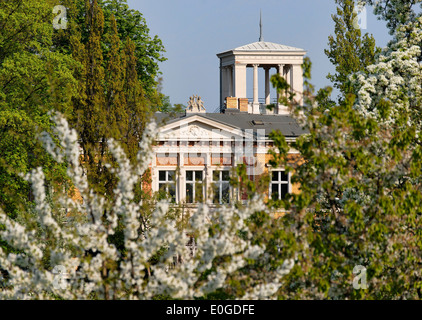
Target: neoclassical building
<point>196,151</point>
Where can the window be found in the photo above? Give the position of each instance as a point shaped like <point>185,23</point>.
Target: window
<point>194,186</point>
<point>279,185</point>
<point>221,186</point>
<point>167,183</point>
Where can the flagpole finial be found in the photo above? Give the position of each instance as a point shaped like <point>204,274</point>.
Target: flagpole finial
<point>261,38</point>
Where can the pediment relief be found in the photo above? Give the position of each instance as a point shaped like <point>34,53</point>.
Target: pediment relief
<point>194,131</point>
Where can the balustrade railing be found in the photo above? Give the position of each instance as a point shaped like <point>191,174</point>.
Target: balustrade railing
<point>262,100</point>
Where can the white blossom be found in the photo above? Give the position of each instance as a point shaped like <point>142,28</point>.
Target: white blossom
<point>94,265</point>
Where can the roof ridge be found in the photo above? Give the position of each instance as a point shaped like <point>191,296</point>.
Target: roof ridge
<point>266,46</point>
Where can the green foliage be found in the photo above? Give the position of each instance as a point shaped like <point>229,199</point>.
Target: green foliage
<point>165,104</point>
<point>283,87</point>
<point>112,102</point>
<point>33,80</point>
<point>348,51</point>
<point>131,25</point>
<point>359,202</point>
<point>99,72</point>
<point>148,50</point>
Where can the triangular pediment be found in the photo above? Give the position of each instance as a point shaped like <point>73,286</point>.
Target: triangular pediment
<point>199,128</point>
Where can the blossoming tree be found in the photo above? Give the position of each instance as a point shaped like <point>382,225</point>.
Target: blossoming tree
<point>359,211</point>
<point>77,259</point>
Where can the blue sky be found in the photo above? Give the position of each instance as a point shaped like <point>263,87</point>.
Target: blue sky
<point>194,31</point>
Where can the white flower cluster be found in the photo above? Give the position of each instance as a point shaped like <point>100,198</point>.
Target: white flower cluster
<point>96,267</point>
<point>396,77</point>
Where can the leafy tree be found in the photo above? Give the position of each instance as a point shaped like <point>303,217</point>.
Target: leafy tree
<point>33,80</point>
<point>89,111</point>
<point>360,199</point>
<point>348,51</point>
<point>130,25</point>
<point>165,104</point>
<point>89,73</point>
<point>112,103</point>
<point>148,50</point>
<point>138,106</point>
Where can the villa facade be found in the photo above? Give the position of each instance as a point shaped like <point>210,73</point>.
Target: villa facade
<point>196,151</point>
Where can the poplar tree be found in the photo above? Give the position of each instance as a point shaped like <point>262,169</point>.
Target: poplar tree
<point>131,25</point>
<point>113,103</point>
<point>348,50</point>
<point>115,109</point>
<point>138,107</point>
<point>89,108</point>
<point>148,49</point>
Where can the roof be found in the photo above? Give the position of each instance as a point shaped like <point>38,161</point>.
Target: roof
<point>286,124</point>
<point>264,46</point>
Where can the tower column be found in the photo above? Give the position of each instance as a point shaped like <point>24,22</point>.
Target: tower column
<point>239,80</point>
<point>230,80</point>
<point>225,80</point>
<point>221,87</point>
<point>289,76</point>
<point>255,89</point>
<point>267,86</point>
<point>298,82</point>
